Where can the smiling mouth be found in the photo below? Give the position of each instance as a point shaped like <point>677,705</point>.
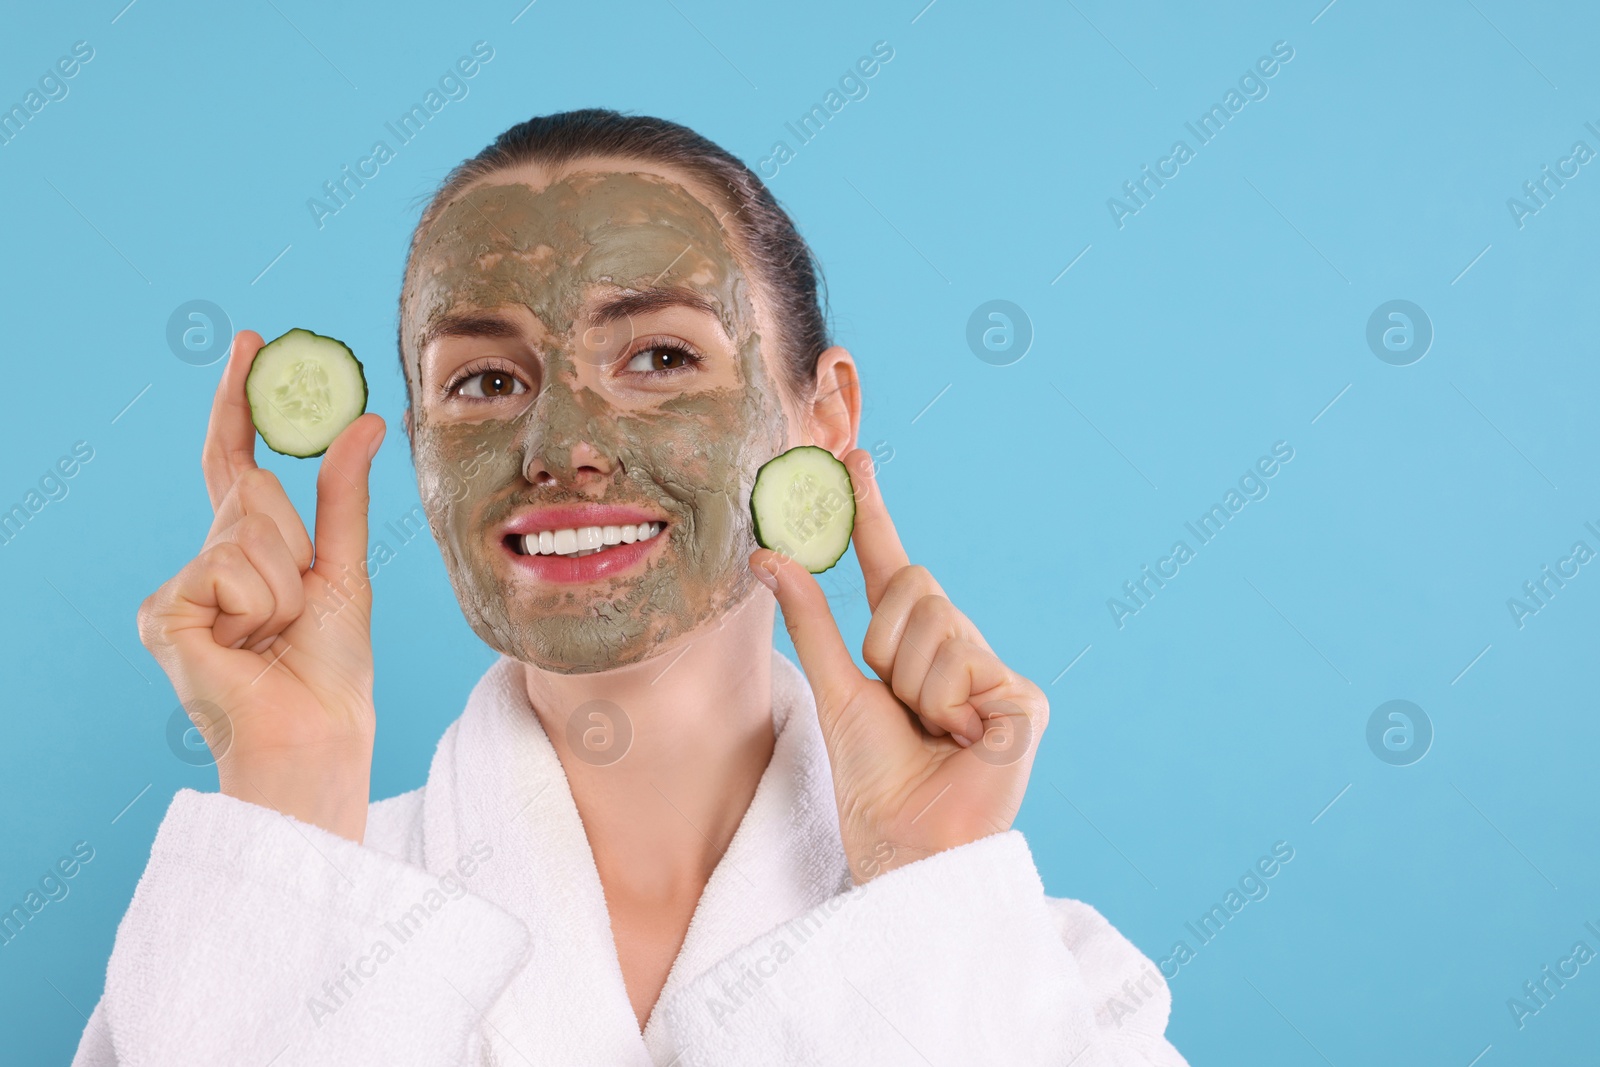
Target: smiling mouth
<point>581,540</point>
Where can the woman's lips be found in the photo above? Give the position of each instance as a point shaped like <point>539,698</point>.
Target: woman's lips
<point>576,569</point>
<point>544,541</point>
<point>576,516</point>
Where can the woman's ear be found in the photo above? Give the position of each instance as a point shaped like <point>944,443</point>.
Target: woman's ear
<point>833,417</point>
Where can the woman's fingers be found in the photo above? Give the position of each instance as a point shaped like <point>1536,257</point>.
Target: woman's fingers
<point>258,492</point>
<point>932,625</point>
<point>223,582</point>
<point>834,677</point>
<point>241,591</point>
<point>230,446</point>
<point>241,491</point>
<point>951,686</point>
<point>878,547</point>
<point>263,545</point>
<point>936,663</point>
<point>342,500</point>
<point>906,592</point>
<point>892,614</point>
<point>238,488</point>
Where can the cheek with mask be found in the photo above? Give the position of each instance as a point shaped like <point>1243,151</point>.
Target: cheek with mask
<point>690,457</point>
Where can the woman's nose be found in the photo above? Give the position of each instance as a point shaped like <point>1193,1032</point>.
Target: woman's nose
<point>557,441</point>
<point>578,466</point>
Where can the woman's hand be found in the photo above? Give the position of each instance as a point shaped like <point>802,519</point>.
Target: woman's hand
<point>936,751</point>
<point>269,649</point>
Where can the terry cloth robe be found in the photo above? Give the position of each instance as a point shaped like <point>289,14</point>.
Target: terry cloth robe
<point>470,928</point>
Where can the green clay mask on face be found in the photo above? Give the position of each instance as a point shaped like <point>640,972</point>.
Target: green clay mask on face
<point>689,453</point>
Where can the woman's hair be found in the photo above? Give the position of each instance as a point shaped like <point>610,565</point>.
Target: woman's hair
<point>781,258</point>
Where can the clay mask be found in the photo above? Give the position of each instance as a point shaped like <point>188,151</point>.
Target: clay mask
<point>690,453</point>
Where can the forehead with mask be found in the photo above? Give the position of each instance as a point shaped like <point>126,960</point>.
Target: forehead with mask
<point>588,337</point>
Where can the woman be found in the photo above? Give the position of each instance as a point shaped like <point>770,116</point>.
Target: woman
<point>648,839</point>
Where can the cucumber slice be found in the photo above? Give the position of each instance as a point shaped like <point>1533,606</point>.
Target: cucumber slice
<point>303,389</point>
<point>804,506</point>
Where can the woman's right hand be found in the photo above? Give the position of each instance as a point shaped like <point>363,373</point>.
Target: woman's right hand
<point>266,637</point>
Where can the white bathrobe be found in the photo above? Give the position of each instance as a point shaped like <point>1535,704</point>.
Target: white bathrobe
<point>470,928</point>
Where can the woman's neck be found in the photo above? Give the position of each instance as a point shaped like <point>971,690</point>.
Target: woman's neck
<point>663,756</point>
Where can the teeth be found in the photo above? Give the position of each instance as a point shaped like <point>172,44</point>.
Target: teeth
<point>586,540</point>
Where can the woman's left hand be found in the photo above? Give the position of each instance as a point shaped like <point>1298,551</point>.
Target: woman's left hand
<point>933,753</point>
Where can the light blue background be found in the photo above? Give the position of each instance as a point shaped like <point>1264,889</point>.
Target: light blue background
<point>1223,317</point>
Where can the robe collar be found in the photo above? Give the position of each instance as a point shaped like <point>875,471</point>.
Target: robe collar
<point>497,783</point>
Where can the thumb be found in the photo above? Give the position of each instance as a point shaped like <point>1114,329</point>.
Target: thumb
<point>342,496</point>
<point>829,668</point>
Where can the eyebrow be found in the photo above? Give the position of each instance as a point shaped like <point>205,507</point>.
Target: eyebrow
<point>655,298</point>
<point>468,324</point>
<point>624,305</point>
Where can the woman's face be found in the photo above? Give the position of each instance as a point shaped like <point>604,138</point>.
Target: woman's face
<point>588,342</point>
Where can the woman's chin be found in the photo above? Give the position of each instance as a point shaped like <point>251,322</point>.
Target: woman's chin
<point>582,646</point>
<point>592,645</point>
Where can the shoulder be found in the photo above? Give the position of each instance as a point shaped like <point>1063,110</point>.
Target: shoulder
<point>1082,926</point>
<point>1121,979</point>
<point>394,826</point>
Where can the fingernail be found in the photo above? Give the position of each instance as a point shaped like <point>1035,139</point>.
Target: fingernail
<point>963,740</point>
<point>766,577</point>
<point>373,451</point>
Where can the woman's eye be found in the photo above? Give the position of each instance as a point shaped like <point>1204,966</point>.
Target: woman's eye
<point>661,359</point>
<point>489,384</point>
